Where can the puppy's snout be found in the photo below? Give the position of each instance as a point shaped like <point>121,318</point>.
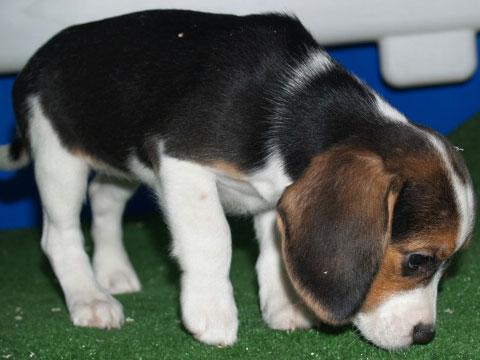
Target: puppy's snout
<point>423,334</point>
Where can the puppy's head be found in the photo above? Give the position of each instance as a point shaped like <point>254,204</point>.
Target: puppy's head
<point>367,241</point>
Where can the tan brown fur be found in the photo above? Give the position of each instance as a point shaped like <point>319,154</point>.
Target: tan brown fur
<point>415,166</point>
<point>301,191</point>
<point>229,169</point>
<point>390,280</point>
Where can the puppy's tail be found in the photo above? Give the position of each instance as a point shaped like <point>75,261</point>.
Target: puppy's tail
<point>15,155</point>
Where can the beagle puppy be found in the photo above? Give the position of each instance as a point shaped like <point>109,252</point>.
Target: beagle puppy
<point>357,210</point>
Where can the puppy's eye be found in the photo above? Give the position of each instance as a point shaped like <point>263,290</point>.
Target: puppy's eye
<point>419,265</point>
<point>416,261</point>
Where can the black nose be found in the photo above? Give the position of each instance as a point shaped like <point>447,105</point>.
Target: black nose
<point>423,334</point>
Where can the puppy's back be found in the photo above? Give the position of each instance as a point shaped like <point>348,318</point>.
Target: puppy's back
<point>157,73</point>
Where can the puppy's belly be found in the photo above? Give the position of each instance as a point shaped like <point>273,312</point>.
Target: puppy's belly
<point>241,197</point>
<point>249,196</point>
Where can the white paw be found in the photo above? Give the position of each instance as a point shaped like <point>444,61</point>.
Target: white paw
<point>117,278</point>
<point>210,314</point>
<point>282,309</point>
<point>103,313</point>
<point>280,314</point>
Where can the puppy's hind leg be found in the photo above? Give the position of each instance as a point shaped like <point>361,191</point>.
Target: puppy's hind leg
<point>113,270</point>
<point>62,181</point>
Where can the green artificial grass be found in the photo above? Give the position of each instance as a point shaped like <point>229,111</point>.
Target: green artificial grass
<point>34,322</point>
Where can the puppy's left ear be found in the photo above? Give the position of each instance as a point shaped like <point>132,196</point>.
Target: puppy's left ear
<point>335,223</point>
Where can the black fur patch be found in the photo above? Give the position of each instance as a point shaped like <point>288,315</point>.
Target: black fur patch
<point>17,148</point>
<point>207,85</point>
<point>197,81</point>
<point>424,205</point>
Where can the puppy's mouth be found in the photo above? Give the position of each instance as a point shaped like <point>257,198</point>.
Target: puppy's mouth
<point>385,336</point>
<point>404,319</point>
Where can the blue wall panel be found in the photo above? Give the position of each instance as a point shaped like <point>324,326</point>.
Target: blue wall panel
<point>443,108</point>
<point>18,196</point>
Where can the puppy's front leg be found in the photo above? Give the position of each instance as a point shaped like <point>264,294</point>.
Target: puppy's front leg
<point>202,246</point>
<point>281,307</point>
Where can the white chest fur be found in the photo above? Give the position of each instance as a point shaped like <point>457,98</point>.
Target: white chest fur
<point>257,192</point>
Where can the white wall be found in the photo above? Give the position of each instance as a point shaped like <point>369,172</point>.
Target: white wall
<point>421,42</point>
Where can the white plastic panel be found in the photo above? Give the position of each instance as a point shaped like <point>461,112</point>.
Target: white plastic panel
<point>420,59</point>
<point>399,25</point>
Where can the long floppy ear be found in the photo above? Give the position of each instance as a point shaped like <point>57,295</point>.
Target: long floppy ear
<point>335,222</point>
